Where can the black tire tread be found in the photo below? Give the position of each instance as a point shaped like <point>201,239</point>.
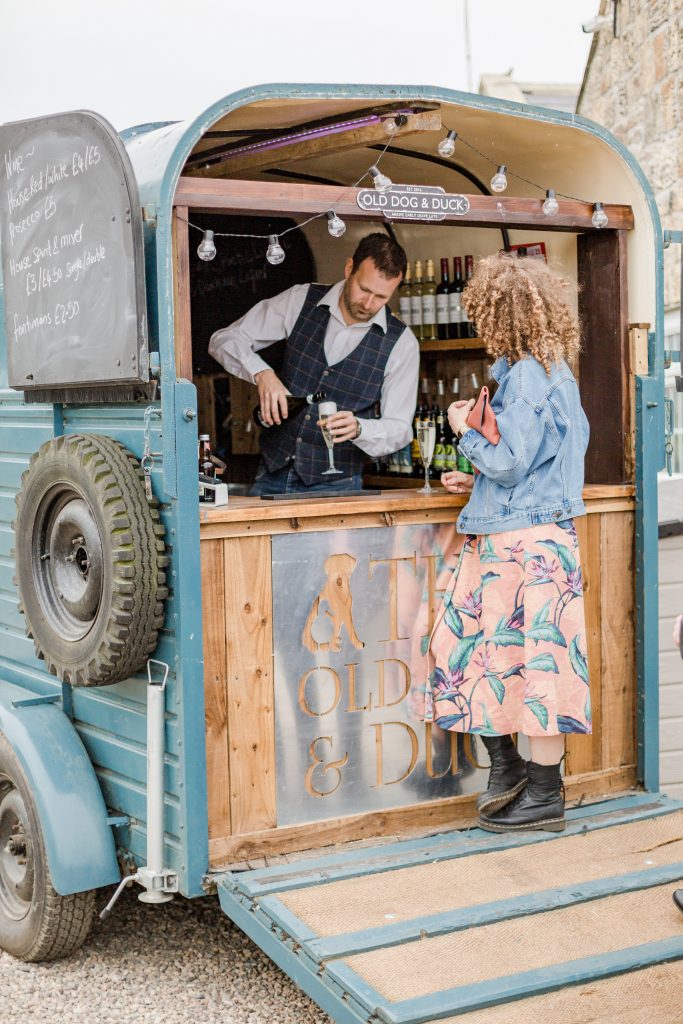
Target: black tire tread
<point>138,587</point>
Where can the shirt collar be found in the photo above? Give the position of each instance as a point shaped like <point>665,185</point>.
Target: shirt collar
<point>500,369</point>
<point>331,299</point>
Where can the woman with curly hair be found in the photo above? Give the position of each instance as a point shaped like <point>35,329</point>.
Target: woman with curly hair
<point>508,650</point>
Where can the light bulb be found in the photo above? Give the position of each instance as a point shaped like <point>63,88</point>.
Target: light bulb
<point>206,250</point>
<point>551,205</point>
<point>392,124</point>
<point>599,217</point>
<point>446,147</point>
<point>335,225</point>
<point>380,181</point>
<point>275,253</point>
<point>499,181</point>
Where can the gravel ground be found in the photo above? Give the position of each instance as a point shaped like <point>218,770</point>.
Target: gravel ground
<point>181,962</point>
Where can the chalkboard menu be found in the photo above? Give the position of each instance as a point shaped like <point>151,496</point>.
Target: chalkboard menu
<point>72,257</point>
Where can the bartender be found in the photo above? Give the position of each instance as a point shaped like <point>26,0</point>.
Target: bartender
<point>343,341</point>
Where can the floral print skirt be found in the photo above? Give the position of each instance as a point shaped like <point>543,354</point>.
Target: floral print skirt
<point>508,649</point>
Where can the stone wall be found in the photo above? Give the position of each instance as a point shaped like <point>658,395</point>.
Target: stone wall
<point>633,85</point>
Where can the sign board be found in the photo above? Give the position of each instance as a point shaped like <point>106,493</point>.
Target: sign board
<point>413,202</point>
<point>352,613</point>
<point>72,255</point>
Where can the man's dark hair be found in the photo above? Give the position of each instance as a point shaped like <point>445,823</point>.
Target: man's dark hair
<point>387,255</point>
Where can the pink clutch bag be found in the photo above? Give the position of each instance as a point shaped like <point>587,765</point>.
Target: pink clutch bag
<point>483,419</point>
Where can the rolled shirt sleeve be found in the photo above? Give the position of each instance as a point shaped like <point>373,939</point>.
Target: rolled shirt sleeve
<point>236,347</point>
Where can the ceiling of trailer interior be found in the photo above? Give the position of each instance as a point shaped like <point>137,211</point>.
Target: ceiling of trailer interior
<point>559,156</point>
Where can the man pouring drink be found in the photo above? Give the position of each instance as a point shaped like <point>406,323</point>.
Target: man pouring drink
<point>341,342</point>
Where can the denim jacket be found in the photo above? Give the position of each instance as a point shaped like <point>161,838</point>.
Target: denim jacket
<point>534,474</point>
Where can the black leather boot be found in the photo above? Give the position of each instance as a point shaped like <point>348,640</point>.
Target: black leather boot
<point>539,806</point>
<point>678,898</point>
<point>507,776</point>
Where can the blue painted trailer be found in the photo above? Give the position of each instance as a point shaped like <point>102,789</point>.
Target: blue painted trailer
<point>84,752</point>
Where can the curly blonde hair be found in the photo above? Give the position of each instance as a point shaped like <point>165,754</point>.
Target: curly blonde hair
<point>521,307</point>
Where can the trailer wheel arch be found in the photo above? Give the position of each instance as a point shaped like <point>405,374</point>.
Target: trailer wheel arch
<point>90,560</point>
<point>58,791</point>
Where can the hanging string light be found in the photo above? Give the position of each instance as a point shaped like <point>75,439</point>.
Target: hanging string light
<point>381,182</point>
<point>551,205</point>
<point>275,254</point>
<point>206,250</point>
<point>335,225</point>
<point>392,124</point>
<point>499,180</point>
<point>599,218</point>
<point>446,147</point>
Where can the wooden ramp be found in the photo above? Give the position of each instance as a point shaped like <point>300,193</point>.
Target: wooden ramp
<point>483,928</point>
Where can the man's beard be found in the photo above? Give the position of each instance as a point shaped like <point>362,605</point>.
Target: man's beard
<point>356,311</point>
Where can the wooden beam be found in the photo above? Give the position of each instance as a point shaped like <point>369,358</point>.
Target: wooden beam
<point>322,146</point>
<point>269,198</point>
<point>181,293</point>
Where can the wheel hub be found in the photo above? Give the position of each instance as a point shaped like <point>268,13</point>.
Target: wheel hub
<point>70,564</point>
<point>16,856</point>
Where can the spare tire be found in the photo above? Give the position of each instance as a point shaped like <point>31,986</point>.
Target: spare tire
<point>90,560</point>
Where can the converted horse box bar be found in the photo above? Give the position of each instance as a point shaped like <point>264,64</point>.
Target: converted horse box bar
<point>231,684</point>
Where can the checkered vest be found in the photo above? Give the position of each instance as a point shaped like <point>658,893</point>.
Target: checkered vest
<point>355,384</point>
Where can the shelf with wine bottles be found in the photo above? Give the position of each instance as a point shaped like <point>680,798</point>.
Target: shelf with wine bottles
<point>451,345</point>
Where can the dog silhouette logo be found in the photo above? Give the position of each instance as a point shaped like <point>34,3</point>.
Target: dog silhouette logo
<point>338,601</point>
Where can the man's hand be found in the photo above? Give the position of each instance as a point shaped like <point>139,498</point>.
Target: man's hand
<point>272,396</point>
<point>458,413</point>
<point>457,482</point>
<point>343,426</point>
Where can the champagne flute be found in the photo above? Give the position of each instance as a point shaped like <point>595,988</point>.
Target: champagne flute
<point>426,439</point>
<point>325,410</point>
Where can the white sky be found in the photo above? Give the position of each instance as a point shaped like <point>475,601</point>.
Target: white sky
<point>154,60</point>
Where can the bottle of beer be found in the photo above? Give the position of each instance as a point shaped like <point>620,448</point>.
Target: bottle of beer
<point>205,465</point>
<point>294,406</point>
<point>404,298</point>
<point>416,301</point>
<point>454,296</point>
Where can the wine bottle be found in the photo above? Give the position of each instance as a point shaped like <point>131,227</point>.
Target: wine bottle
<point>454,296</point>
<point>294,406</point>
<point>443,289</point>
<point>469,329</point>
<point>439,459</point>
<point>429,305</point>
<point>404,298</point>
<point>416,301</point>
<point>415,446</point>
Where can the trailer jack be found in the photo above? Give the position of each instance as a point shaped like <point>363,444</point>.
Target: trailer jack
<point>159,883</point>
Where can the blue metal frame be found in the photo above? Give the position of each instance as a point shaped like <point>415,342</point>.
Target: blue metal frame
<point>320,964</point>
<point>79,842</point>
<point>159,157</point>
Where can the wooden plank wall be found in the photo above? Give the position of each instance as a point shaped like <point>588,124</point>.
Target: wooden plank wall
<point>238,643</point>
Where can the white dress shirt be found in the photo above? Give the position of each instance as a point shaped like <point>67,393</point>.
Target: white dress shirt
<point>236,348</point>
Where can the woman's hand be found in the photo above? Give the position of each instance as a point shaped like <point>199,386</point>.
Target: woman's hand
<point>458,413</point>
<point>456,482</point>
<point>677,630</point>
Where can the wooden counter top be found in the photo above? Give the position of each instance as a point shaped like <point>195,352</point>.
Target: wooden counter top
<point>253,516</point>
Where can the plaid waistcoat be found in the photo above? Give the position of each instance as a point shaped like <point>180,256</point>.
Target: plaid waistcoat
<point>355,384</point>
